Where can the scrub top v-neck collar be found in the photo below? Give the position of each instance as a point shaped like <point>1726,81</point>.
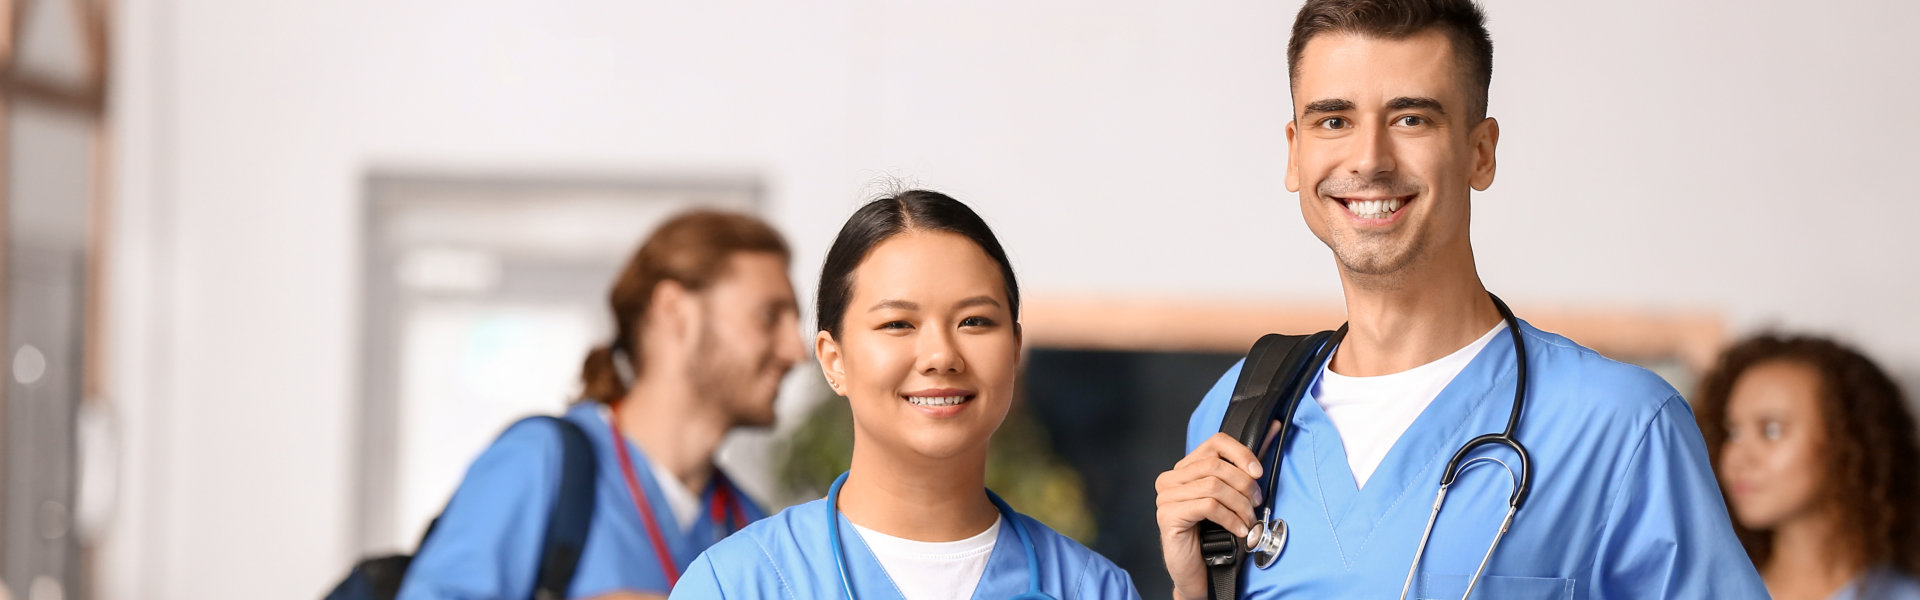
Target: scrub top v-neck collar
<point>1412,467</point>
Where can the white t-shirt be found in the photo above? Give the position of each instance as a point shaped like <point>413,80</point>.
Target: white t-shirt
<point>933,570</point>
<point>682,502</point>
<point>1370,413</point>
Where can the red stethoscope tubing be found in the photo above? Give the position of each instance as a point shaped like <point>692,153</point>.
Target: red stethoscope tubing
<point>722,501</point>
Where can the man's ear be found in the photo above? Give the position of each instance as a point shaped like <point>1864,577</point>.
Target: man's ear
<point>827,353</point>
<point>675,312</point>
<point>1486,136</point>
<point>1293,165</point>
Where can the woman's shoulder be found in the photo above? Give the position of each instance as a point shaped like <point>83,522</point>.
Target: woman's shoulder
<point>770,558</point>
<point>784,533</point>
<point>1093,575</point>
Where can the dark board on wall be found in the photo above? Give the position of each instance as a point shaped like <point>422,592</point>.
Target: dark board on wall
<point>1120,418</point>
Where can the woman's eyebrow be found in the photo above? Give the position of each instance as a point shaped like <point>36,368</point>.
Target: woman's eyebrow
<point>981,300</point>
<point>977,301</point>
<point>898,304</point>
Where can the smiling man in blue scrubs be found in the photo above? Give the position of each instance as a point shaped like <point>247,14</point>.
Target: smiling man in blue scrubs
<point>1389,135</point>
<point>705,325</point>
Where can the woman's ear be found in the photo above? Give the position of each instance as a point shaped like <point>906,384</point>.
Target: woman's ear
<point>827,352</point>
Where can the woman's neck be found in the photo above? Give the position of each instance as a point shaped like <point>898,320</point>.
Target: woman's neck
<point>1810,560</point>
<point>921,499</point>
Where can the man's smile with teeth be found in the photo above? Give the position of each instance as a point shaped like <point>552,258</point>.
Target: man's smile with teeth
<point>1374,209</point>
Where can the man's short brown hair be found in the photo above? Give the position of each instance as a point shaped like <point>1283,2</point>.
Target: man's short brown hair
<point>1460,20</point>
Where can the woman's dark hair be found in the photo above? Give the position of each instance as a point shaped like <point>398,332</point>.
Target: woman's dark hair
<point>692,249</point>
<point>1873,462</point>
<point>880,220</point>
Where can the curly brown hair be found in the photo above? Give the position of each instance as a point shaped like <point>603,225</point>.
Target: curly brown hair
<point>1872,458</point>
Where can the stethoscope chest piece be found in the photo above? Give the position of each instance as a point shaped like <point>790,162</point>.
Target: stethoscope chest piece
<point>1266,540</point>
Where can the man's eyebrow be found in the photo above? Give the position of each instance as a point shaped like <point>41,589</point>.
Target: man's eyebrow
<point>1329,105</point>
<point>1405,102</point>
<point>899,304</point>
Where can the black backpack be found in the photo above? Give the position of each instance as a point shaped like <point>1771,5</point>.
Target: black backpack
<point>1276,374</point>
<point>379,578</point>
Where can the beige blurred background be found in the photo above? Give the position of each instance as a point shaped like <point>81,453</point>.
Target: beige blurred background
<point>289,265</point>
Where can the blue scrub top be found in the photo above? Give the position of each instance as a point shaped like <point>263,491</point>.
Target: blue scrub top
<point>790,556</point>
<point>487,543</point>
<point>1880,583</point>
<point>1623,503</point>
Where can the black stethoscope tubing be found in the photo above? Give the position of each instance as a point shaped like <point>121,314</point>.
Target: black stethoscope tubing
<point>1504,438</point>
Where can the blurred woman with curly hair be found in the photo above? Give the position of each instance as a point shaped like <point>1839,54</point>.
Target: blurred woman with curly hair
<point>1817,457</point>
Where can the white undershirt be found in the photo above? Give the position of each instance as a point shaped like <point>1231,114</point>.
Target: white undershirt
<point>682,502</point>
<point>933,570</point>
<point>1370,413</point>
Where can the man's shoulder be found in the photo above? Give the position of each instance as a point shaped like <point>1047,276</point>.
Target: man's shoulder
<point>529,444</point>
<point>1582,380</point>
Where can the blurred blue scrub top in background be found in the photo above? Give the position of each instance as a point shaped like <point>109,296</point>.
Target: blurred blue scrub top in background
<point>1623,503</point>
<point>1880,583</point>
<point>487,543</point>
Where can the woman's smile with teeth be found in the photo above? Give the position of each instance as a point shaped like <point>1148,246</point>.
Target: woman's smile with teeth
<point>936,400</point>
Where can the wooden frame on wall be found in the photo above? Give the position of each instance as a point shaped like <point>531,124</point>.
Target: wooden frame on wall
<point>1693,338</point>
<point>88,99</point>
<point>81,94</point>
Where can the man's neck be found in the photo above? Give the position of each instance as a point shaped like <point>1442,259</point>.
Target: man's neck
<point>910,497</point>
<point>1805,563</point>
<point>1417,320</point>
<point>674,426</point>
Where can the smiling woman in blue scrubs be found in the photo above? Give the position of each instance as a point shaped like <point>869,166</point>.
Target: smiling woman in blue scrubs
<point>919,330</point>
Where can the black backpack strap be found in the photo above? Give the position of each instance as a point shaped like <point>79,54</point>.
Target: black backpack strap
<point>567,523</point>
<point>1276,374</point>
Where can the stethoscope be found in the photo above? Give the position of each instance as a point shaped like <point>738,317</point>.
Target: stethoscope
<point>1269,536</point>
<point>1006,512</point>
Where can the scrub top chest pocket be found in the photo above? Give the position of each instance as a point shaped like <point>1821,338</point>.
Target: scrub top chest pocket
<point>1442,586</point>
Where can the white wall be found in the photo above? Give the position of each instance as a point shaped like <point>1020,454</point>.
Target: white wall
<point>1743,157</point>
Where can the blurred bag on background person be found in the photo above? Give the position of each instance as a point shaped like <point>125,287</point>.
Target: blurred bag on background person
<point>379,578</point>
